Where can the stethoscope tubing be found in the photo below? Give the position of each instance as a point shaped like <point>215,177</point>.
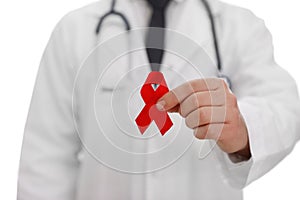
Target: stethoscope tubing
<point>112,11</point>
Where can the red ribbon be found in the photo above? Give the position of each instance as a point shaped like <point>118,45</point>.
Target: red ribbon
<point>150,97</point>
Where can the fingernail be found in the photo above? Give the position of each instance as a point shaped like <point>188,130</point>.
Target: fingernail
<point>161,105</point>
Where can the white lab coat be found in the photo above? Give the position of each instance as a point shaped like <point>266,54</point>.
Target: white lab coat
<point>54,165</point>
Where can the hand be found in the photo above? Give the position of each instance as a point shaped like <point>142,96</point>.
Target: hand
<point>211,109</point>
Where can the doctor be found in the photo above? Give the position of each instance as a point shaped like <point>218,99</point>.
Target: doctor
<point>260,128</point>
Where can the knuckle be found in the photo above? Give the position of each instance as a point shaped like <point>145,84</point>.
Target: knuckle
<point>231,99</point>
<point>236,115</point>
<point>222,82</point>
<point>203,115</point>
<point>234,98</point>
<point>217,97</point>
<point>222,85</point>
<point>193,84</point>
<point>194,100</point>
<point>190,104</point>
<point>213,83</point>
<point>231,115</point>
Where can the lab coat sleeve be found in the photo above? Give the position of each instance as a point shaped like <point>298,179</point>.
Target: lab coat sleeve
<point>268,101</point>
<point>49,163</point>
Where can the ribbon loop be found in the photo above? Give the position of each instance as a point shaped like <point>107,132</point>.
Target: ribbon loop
<point>150,96</point>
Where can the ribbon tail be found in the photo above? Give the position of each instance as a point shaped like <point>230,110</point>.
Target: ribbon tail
<point>143,120</point>
<point>164,125</point>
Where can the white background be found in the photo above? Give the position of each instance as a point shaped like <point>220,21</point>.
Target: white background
<point>25,29</point>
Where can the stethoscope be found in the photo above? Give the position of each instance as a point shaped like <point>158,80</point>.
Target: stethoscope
<point>112,11</point>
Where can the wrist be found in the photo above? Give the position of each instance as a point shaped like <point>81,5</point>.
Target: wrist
<point>245,152</point>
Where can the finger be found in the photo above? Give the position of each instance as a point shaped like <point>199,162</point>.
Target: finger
<point>210,131</point>
<point>202,99</point>
<point>206,115</point>
<point>177,95</point>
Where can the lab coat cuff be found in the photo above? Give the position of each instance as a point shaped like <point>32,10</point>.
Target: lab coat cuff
<point>238,170</point>
<point>235,169</point>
